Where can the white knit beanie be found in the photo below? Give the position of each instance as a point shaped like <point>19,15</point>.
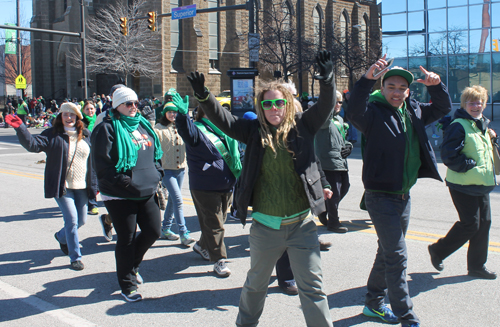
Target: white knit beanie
<point>122,95</point>
<point>72,108</point>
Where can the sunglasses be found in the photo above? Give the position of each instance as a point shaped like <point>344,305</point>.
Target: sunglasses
<point>339,102</point>
<point>278,103</point>
<point>131,103</point>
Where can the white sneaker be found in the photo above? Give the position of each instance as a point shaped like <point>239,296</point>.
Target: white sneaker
<point>221,269</point>
<point>204,253</point>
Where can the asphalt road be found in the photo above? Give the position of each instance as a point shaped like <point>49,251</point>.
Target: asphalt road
<point>37,288</point>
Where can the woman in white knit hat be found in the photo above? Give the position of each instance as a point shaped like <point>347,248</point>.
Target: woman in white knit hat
<point>69,178</point>
<point>127,159</point>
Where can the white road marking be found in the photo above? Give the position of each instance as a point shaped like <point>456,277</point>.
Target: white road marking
<point>46,307</point>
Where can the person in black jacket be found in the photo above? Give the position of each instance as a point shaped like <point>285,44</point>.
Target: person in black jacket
<point>69,178</point>
<point>281,181</point>
<point>397,152</point>
<point>126,156</point>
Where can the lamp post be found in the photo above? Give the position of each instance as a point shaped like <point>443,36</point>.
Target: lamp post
<point>84,52</point>
<point>299,42</point>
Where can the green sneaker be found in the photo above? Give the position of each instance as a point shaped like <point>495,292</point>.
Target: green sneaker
<point>167,234</point>
<point>383,313</point>
<point>186,239</point>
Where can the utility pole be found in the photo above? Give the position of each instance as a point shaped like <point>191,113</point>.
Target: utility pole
<point>84,52</point>
<point>19,67</point>
<point>299,43</point>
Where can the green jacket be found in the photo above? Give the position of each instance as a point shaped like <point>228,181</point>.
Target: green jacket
<point>477,146</point>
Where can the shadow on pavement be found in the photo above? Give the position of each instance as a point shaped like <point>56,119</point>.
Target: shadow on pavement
<point>53,212</point>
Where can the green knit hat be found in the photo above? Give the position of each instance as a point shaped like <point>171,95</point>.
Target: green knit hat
<point>169,106</point>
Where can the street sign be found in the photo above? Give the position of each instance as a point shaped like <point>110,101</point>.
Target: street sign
<point>20,82</point>
<point>253,46</point>
<point>184,12</point>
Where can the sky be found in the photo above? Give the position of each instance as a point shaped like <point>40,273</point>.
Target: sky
<point>8,13</point>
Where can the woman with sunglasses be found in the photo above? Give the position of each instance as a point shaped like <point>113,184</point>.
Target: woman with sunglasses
<point>127,160</point>
<point>281,181</point>
<point>69,178</point>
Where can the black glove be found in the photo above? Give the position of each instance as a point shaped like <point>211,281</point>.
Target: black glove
<point>148,113</point>
<point>197,81</point>
<point>123,180</point>
<point>325,65</point>
<point>469,164</point>
<point>346,151</point>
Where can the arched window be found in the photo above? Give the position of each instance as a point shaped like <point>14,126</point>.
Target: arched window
<point>344,26</point>
<point>175,39</point>
<point>363,36</point>
<point>213,35</point>
<point>317,30</point>
<point>286,7</point>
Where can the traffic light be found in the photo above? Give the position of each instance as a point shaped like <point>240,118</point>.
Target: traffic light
<point>152,20</point>
<point>123,26</point>
<point>495,45</point>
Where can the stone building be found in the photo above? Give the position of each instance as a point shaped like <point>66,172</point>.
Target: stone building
<point>210,42</point>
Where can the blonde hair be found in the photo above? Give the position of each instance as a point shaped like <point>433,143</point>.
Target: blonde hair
<point>288,120</point>
<point>339,96</point>
<point>473,93</point>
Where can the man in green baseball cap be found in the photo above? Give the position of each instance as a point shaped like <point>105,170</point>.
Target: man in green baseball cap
<point>396,152</point>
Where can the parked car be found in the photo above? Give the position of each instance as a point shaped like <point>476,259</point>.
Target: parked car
<point>224,99</point>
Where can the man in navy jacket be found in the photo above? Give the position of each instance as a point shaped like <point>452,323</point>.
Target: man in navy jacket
<point>396,153</point>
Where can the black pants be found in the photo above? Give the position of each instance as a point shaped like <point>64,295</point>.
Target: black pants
<point>474,226</point>
<point>130,247</point>
<point>339,182</point>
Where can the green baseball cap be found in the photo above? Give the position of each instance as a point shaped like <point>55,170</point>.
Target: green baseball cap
<point>398,71</point>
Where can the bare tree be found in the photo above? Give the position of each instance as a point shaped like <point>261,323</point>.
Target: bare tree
<point>8,62</point>
<point>353,58</point>
<point>110,52</point>
<point>279,46</point>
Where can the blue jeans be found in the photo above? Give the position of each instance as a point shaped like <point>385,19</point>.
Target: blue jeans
<point>173,182</point>
<point>74,209</point>
<point>390,213</point>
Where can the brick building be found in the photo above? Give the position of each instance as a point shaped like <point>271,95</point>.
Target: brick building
<point>210,42</point>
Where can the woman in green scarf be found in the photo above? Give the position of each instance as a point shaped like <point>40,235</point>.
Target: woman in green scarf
<point>128,168</point>
<point>89,115</point>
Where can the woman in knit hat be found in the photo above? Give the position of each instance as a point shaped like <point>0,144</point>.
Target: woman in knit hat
<point>68,174</point>
<point>126,156</point>
<point>174,164</point>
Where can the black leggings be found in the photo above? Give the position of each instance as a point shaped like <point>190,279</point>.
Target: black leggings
<point>130,248</point>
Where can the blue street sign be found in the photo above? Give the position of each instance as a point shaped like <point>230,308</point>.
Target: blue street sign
<point>184,12</point>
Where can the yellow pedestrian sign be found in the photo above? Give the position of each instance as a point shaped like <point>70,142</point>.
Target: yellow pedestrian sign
<point>20,82</point>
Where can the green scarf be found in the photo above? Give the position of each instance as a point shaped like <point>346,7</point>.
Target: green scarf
<point>233,161</point>
<point>127,150</point>
<point>91,121</point>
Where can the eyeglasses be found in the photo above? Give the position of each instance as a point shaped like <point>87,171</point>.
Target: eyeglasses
<point>131,103</point>
<point>278,103</point>
<point>475,104</point>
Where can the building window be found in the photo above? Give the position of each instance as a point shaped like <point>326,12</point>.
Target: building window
<point>213,35</point>
<point>363,33</point>
<point>175,39</point>
<point>317,30</point>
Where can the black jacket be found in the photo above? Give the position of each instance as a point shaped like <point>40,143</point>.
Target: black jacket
<point>55,144</point>
<point>141,181</point>
<point>384,153</point>
<point>300,141</point>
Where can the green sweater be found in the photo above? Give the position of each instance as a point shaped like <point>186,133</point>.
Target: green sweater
<point>279,191</point>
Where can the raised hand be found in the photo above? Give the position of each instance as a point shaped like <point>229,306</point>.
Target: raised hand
<point>148,113</point>
<point>13,121</point>
<point>197,81</point>
<point>325,65</point>
<point>430,78</point>
<point>182,104</point>
<point>380,66</point>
